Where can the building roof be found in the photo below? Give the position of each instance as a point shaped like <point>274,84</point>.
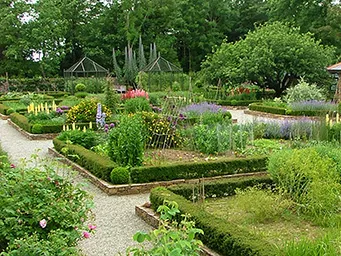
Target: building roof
<point>86,65</point>
<point>336,68</point>
<point>161,65</point>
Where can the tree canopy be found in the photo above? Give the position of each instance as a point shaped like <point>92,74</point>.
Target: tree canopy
<point>273,56</point>
<point>43,37</point>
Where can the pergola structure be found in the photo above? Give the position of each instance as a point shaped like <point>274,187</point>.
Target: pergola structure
<point>336,70</point>
<point>160,69</point>
<point>86,68</point>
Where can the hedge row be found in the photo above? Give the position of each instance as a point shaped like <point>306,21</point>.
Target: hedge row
<point>197,170</point>
<point>33,84</point>
<point>234,102</point>
<point>99,166</point>
<point>268,109</point>
<point>3,109</point>
<point>223,237</point>
<point>306,112</point>
<point>23,123</point>
<point>222,188</point>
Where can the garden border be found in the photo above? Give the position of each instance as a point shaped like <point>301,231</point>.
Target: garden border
<point>4,117</point>
<point>277,116</point>
<point>149,216</point>
<point>31,136</point>
<point>127,189</point>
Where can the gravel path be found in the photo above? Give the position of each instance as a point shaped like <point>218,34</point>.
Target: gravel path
<point>115,215</point>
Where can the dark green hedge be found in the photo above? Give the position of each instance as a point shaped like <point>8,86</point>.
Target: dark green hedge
<point>197,170</point>
<point>3,109</point>
<point>221,188</point>
<point>236,102</point>
<point>221,236</point>
<point>21,121</point>
<point>268,109</point>
<point>33,84</point>
<point>306,112</point>
<point>98,165</point>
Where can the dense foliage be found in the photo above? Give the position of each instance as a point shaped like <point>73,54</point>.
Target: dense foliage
<point>41,212</point>
<point>184,31</point>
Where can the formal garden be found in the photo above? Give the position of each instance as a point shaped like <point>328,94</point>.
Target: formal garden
<point>232,126</point>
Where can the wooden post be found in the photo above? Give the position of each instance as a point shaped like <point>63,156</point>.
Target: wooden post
<point>337,95</point>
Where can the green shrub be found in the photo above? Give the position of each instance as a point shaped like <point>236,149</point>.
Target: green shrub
<point>98,165</point>
<point>223,237</point>
<point>310,179</point>
<point>267,109</point>
<point>304,91</point>
<point>127,141</point>
<point>86,111</point>
<point>21,121</point>
<point>3,109</point>
<point>222,187</point>
<point>40,207</point>
<point>37,128</point>
<point>86,139</point>
<point>81,95</point>
<point>80,87</point>
<point>120,175</point>
<point>137,104</point>
<point>197,169</point>
<point>236,102</point>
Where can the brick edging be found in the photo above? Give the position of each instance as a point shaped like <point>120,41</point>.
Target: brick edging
<point>152,219</point>
<point>30,136</point>
<point>127,189</point>
<point>277,116</point>
<point>3,117</point>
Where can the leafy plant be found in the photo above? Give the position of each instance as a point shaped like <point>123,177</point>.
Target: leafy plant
<point>172,237</point>
<point>137,104</point>
<point>304,91</point>
<point>39,208</point>
<point>127,140</point>
<point>80,87</point>
<point>310,179</point>
<point>85,111</point>
<point>86,139</point>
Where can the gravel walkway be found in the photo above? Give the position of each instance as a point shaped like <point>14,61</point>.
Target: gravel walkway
<point>115,215</point>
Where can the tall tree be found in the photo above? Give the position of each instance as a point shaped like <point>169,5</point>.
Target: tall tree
<point>273,56</point>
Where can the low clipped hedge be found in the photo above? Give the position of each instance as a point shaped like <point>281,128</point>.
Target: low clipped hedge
<point>268,109</point>
<point>99,166</point>
<point>235,102</point>
<point>21,121</point>
<point>222,188</point>
<point>3,109</point>
<point>223,237</point>
<point>306,112</point>
<point>197,170</point>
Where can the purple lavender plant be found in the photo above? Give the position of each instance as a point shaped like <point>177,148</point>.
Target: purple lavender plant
<point>200,108</point>
<point>313,105</point>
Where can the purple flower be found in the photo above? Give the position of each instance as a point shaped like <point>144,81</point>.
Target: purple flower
<point>203,107</point>
<point>92,227</point>
<point>64,107</point>
<point>43,223</point>
<point>106,129</point>
<point>12,166</point>
<point>59,111</point>
<point>112,125</point>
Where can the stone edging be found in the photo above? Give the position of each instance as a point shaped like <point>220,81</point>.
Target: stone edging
<point>127,189</point>
<point>3,117</point>
<point>30,136</point>
<point>276,116</point>
<point>152,219</point>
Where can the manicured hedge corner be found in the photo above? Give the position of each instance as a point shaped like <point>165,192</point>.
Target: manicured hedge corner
<point>222,188</point>
<point>236,102</point>
<point>221,236</point>
<point>197,170</point>
<point>21,121</point>
<point>98,165</point>
<point>268,109</point>
<point>3,109</point>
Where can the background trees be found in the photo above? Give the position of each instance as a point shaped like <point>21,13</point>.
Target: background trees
<point>273,56</point>
<point>43,37</point>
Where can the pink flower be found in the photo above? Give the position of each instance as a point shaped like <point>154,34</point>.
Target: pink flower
<point>43,223</point>
<point>12,166</point>
<point>92,227</point>
<point>86,234</point>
